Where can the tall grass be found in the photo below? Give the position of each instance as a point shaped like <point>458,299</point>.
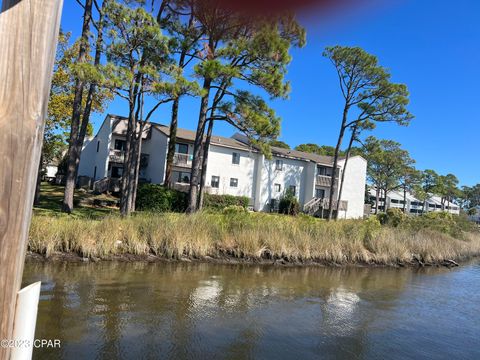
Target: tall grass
<point>248,236</point>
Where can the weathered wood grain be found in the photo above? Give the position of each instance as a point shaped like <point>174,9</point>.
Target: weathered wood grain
<point>28,39</point>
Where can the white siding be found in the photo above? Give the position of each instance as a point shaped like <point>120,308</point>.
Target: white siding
<point>293,173</point>
<point>156,147</point>
<point>92,158</point>
<point>354,186</point>
<point>220,164</point>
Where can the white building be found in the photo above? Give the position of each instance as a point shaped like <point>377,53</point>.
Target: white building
<point>234,167</point>
<point>413,206</point>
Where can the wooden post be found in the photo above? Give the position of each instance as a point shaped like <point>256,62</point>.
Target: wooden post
<point>28,40</point>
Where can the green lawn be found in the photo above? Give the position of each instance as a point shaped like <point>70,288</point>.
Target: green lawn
<point>51,197</point>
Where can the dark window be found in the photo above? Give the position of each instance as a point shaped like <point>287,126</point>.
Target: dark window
<point>324,171</point>
<point>181,177</point>
<point>279,165</point>
<point>215,182</point>
<point>98,145</point>
<point>120,144</point>
<point>181,148</point>
<point>277,187</point>
<point>292,189</point>
<point>233,182</point>
<point>235,158</point>
<point>117,172</point>
<point>431,205</point>
<point>320,193</point>
<point>94,173</point>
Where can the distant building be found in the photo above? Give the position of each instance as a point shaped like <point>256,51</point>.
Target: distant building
<point>235,167</point>
<point>476,217</point>
<point>413,206</point>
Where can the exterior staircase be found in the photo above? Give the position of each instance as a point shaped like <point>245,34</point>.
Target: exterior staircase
<point>316,205</point>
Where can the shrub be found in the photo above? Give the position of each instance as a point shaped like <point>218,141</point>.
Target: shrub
<point>233,210</point>
<point>442,222</point>
<point>220,202</point>
<point>393,217</point>
<point>153,197</point>
<point>289,204</point>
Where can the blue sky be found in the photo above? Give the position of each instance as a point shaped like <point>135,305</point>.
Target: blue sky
<point>432,46</point>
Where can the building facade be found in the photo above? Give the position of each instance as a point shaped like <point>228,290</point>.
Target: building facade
<point>235,167</point>
<point>412,205</point>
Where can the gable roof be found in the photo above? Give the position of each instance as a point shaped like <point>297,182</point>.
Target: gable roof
<point>241,142</point>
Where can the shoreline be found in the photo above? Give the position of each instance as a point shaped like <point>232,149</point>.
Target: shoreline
<point>70,257</point>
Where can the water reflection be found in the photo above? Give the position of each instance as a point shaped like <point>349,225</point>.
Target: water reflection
<point>186,311</point>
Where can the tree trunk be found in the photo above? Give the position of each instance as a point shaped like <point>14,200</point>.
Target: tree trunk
<point>197,149</point>
<point>377,198</point>
<point>385,208</point>
<point>205,164</point>
<point>404,199</point>
<point>138,151</point>
<point>335,163</point>
<point>347,156</point>
<point>171,143</point>
<point>73,149</point>
<point>125,182</point>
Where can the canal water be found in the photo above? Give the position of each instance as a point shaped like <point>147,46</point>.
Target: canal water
<point>204,311</point>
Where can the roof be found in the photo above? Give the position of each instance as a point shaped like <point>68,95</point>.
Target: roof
<point>320,159</point>
<point>215,140</point>
<point>239,141</point>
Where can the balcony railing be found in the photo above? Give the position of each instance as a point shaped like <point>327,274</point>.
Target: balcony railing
<point>324,180</point>
<point>117,156</point>
<point>184,160</point>
<point>316,204</point>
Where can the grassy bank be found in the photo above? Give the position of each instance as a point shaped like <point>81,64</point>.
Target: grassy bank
<point>255,237</point>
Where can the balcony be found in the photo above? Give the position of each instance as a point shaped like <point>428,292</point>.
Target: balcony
<point>183,160</point>
<point>323,180</point>
<point>117,156</point>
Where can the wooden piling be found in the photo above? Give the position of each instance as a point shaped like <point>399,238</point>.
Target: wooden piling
<point>28,40</point>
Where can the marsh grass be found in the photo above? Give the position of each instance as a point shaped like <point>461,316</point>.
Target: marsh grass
<point>250,236</point>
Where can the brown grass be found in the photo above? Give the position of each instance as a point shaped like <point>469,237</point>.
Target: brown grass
<point>248,236</point>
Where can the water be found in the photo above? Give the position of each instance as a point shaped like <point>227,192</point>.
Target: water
<point>204,311</point>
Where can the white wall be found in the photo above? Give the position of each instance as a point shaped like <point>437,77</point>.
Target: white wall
<point>156,146</point>
<point>91,158</point>
<point>293,173</point>
<point>220,164</point>
<point>354,186</point>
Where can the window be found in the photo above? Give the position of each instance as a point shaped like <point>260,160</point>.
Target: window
<point>277,187</point>
<point>324,171</point>
<point>235,158</point>
<point>233,182</point>
<point>117,172</point>
<point>120,144</point>
<point>292,189</point>
<point>320,193</point>
<point>98,145</point>
<point>279,165</point>
<point>181,148</point>
<point>215,182</point>
<point>181,177</point>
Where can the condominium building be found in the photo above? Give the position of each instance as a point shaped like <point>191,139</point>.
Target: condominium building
<point>235,167</point>
<point>413,206</point>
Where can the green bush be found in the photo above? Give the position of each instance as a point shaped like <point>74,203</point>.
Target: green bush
<point>233,210</point>
<point>289,204</point>
<point>393,217</point>
<point>153,197</point>
<point>220,202</point>
<point>443,222</point>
